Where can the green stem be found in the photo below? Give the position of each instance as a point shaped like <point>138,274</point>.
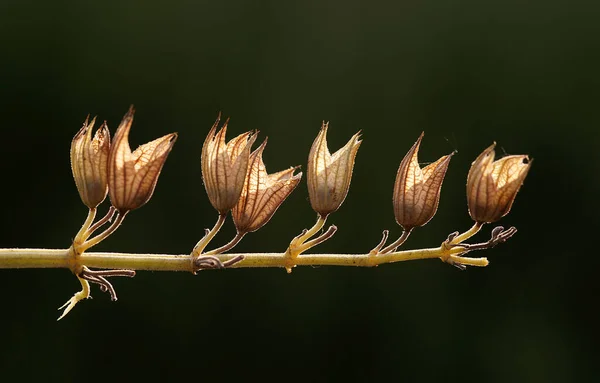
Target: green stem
<point>102,221</point>
<point>82,234</point>
<point>228,246</point>
<point>201,245</point>
<point>467,234</point>
<point>52,258</point>
<point>313,230</point>
<point>102,236</point>
<point>396,244</point>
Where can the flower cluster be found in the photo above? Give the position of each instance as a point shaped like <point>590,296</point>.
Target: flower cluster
<point>237,182</point>
<point>100,167</point>
<point>129,178</point>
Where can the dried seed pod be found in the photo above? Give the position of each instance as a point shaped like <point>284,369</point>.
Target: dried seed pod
<point>132,177</point>
<point>89,159</point>
<point>224,166</point>
<point>262,194</point>
<point>493,185</point>
<point>329,176</point>
<point>417,191</point>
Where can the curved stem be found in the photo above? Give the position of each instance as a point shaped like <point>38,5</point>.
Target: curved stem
<point>97,225</point>
<point>80,295</point>
<point>82,233</point>
<point>228,246</point>
<point>102,236</point>
<point>377,249</point>
<point>297,246</point>
<point>99,277</point>
<point>397,243</point>
<point>208,236</point>
<point>320,239</point>
<point>313,230</point>
<point>467,234</point>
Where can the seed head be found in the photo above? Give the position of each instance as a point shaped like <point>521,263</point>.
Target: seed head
<point>262,194</point>
<point>224,166</point>
<point>493,185</point>
<point>329,175</point>
<point>132,177</point>
<point>417,191</point>
<point>89,159</point>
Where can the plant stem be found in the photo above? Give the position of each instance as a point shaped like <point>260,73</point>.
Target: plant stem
<point>228,246</point>
<point>468,234</point>
<point>316,241</point>
<point>102,236</point>
<point>299,244</point>
<point>83,294</point>
<point>102,221</point>
<point>52,258</point>
<point>82,234</point>
<point>201,245</point>
<point>396,244</point>
<point>313,230</point>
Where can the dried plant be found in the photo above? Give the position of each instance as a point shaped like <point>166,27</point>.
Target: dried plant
<point>236,180</point>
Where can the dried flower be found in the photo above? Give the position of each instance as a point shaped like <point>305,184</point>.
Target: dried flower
<point>224,166</point>
<point>416,190</point>
<point>329,175</point>
<point>89,159</point>
<point>132,177</point>
<point>262,194</point>
<point>493,186</point>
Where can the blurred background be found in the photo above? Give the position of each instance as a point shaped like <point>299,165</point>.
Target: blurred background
<point>524,74</point>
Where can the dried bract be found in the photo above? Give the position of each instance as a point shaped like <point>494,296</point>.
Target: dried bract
<point>132,177</point>
<point>493,186</point>
<point>262,194</point>
<point>417,191</point>
<point>329,175</point>
<point>89,159</point>
<point>224,166</point>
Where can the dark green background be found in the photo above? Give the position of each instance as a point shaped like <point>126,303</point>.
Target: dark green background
<point>466,72</point>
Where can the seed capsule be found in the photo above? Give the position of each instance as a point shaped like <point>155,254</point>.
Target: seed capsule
<point>493,185</point>
<point>224,166</point>
<point>329,175</point>
<point>132,176</point>
<point>262,194</point>
<point>417,191</point>
<point>89,159</point>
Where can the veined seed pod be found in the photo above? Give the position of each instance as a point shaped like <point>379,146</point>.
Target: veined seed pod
<point>492,186</point>
<point>417,191</point>
<point>132,176</point>
<point>89,162</point>
<point>262,194</point>
<point>329,176</point>
<point>224,166</point>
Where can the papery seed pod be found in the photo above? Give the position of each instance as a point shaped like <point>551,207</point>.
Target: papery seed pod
<point>417,191</point>
<point>224,166</point>
<point>493,185</point>
<point>132,176</point>
<point>329,176</point>
<point>262,194</point>
<point>89,159</point>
